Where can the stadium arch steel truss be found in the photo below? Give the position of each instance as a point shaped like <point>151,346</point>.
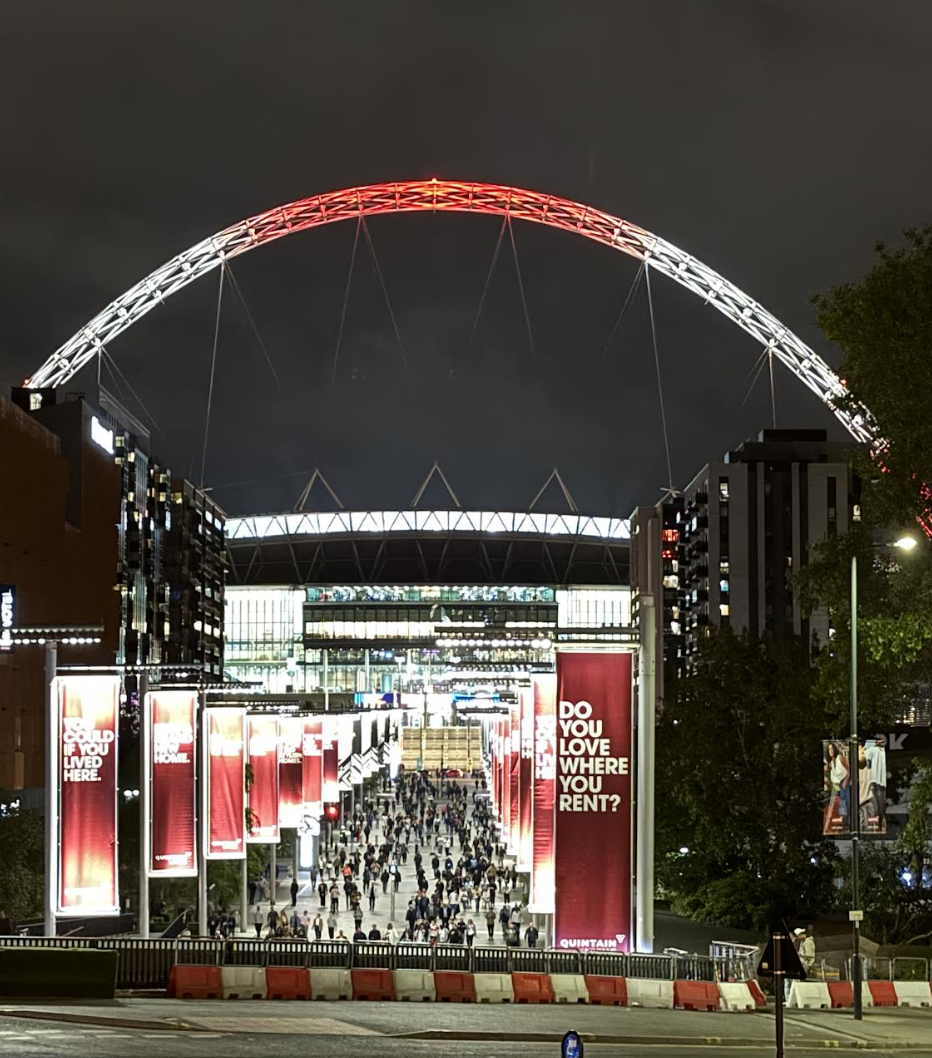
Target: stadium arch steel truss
<point>449,196</point>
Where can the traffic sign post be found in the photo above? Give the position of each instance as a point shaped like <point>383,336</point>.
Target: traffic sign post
<point>571,1045</point>
<point>781,962</point>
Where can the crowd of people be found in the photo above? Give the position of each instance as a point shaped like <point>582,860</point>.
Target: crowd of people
<point>463,885</point>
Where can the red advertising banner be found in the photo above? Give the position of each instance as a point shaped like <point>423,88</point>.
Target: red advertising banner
<point>545,771</point>
<point>526,781</point>
<point>290,772</point>
<point>330,755</point>
<point>312,784</point>
<point>514,763</point>
<point>506,779</point>
<point>263,793</point>
<point>172,720</point>
<point>593,794</point>
<point>226,777</point>
<point>88,726</point>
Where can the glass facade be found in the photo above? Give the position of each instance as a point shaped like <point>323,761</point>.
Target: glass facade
<point>383,639</point>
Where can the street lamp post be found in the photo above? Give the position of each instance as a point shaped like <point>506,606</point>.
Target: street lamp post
<point>854,802</point>
<point>904,543</point>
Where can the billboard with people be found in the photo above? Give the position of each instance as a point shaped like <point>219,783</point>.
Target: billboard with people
<point>861,789</point>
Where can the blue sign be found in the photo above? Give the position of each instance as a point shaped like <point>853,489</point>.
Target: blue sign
<point>572,1046</point>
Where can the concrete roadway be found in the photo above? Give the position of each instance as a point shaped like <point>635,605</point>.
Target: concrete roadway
<point>342,1030</point>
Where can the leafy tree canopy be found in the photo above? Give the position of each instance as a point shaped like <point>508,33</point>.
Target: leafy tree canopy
<point>738,783</point>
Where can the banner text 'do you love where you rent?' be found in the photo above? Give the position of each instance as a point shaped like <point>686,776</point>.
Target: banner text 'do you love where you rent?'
<point>593,802</point>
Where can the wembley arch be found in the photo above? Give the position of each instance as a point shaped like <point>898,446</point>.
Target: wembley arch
<point>450,196</point>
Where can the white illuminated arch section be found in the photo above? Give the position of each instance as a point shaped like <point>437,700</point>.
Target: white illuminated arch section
<point>445,196</point>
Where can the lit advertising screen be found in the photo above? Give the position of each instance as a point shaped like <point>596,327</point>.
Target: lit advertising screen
<point>88,729</point>
<point>593,800</point>
<point>545,771</point>
<point>171,717</point>
<point>263,790</point>
<point>290,772</point>
<point>226,779</point>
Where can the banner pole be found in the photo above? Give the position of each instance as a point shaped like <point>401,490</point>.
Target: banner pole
<point>145,744</point>
<point>51,786</point>
<point>647,687</point>
<point>244,895</point>
<point>203,833</point>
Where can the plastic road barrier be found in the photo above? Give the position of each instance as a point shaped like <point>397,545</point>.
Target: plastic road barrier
<point>913,993</point>
<point>607,991</point>
<point>532,988</point>
<point>809,995</point>
<point>373,984</point>
<point>415,986</point>
<point>696,995</point>
<point>569,988</point>
<point>883,993</point>
<point>735,995</point>
<point>648,992</point>
<point>330,983</point>
<point>842,994</point>
<point>287,982</point>
<point>195,982</point>
<point>243,982</point>
<point>494,988</point>
<point>454,987</point>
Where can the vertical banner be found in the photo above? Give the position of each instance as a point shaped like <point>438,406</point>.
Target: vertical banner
<point>506,780</point>
<point>526,781</point>
<point>88,725</point>
<point>330,755</point>
<point>263,737</point>
<point>290,772</point>
<point>594,804</point>
<point>345,750</point>
<point>545,771</point>
<point>514,769</point>
<point>312,784</point>
<point>365,745</point>
<point>225,825</point>
<point>172,720</point>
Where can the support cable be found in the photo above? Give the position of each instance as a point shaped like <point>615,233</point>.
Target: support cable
<point>488,280</point>
<point>346,294</point>
<point>252,323</point>
<point>527,315</point>
<point>213,369</point>
<point>378,272</point>
<point>114,368</point>
<point>632,290</point>
<point>663,413</point>
<point>754,375</point>
<point>773,394</point>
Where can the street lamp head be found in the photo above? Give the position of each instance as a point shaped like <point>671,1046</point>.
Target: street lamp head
<point>905,543</point>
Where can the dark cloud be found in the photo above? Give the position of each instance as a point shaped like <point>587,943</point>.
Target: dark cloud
<point>775,140</point>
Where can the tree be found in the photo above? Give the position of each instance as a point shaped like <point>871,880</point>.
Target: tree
<point>884,327</point>
<point>739,778</point>
<point>22,852</point>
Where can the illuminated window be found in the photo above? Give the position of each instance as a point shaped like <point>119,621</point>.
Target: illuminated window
<point>724,609</point>
<point>35,401</point>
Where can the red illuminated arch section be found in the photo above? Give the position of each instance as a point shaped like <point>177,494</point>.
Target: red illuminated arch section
<point>451,196</point>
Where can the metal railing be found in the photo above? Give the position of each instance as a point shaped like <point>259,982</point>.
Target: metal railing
<point>146,964</point>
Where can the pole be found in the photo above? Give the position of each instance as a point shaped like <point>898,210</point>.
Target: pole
<point>647,687</point>
<point>854,797</point>
<point>778,984</point>
<point>244,895</point>
<point>145,736</point>
<point>326,678</point>
<point>273,868</point>
<point>204,836</point>
<point>51,786</point>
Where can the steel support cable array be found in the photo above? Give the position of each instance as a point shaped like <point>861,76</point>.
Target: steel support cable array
<point>459,197</point>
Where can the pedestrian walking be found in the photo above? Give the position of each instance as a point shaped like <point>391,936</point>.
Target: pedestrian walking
<point>258,920</point>
<point>318,926</point>
<point>331,924</point>
<point>294,892</point>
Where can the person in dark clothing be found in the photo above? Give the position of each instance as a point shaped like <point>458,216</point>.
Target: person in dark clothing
<point>359,934</point>
<point>374,933</point>
<point>530,935</point>
<point>294,892</point>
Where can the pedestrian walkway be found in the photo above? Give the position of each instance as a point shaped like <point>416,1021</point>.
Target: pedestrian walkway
<point>391,904</point>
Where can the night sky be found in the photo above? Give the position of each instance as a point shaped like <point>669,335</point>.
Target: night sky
<point>776,140</point>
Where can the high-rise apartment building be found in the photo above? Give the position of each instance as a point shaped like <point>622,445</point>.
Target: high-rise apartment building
<point>726,552</point>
